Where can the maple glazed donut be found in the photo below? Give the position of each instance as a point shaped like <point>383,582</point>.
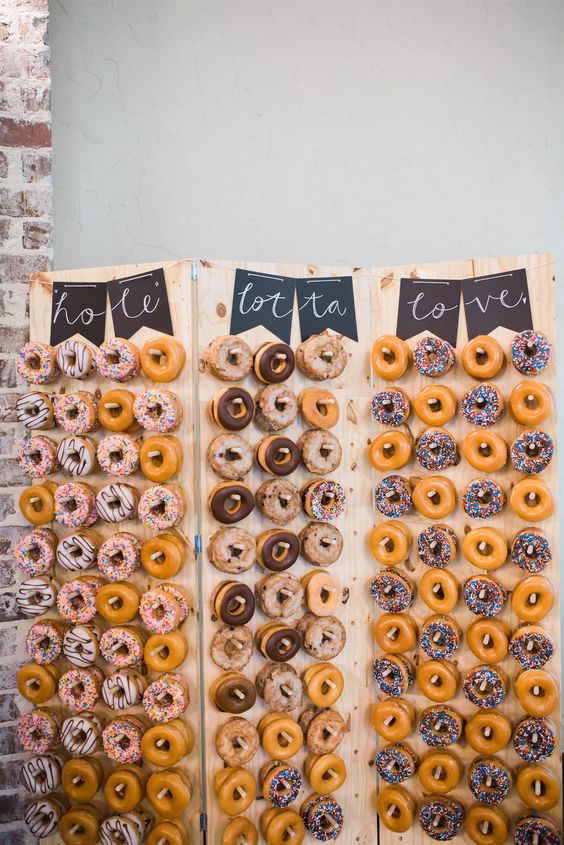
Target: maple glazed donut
<point>434,497</point>
<point>169,791</point>
<point>166,744</point>
<point>323,684</point>
<point>37,683</point>
<point>162,358</point>
<point>530,403</point>
<point>531,352</point>
<point>390,357</point>
<point>321,357</point>
<point>37,363</point>
<point>485,450</point>
<point>164,555</point>
<point>395,632</point>
<point>161,457</point>
<point>532,499</point>
<point>280,735</point>
<point>433,357</point>
<point>118,602</point>
<point>80,825</point>
<point>390,542</point>
<point>170,832</point>
<point>37,503</point>
<point>485,548</point>
<point>276,407</point>
<point>164,652</point>
<point>439,590</point>
<point>82,778</point>
<point>435,405</point>
<point>115,411</point>
<point>488,731</point>
<point>483,357</point>
<point>392,718</point>
<point>533,598</point>
<point>318,407</point>
<point>537,692</point>
<point>487,640</point>
<point>486,825</point>
<point>390,450</point>
<point>323,593</point>
<point>274,362</point>
<point>438,680</point>
<point>235,788</point>
<point>538,787</point>
<point>237,827</point>
<point>229,358</point>
<point>124,787</point>
<point>396,808</point>
<point>439,772</point>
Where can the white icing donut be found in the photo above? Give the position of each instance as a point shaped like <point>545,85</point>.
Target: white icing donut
<point>42,817</point>
<point>41,775</point>
<point>35,411</point>
<point>125,828</point>
<point>75,359</point>
<point>80,734</point>
<point>76,455</point>
<point>80,645</point>
<point>116,502</point>
<point>36,595</point>
<point>123,689</point>
<point>77,551</point>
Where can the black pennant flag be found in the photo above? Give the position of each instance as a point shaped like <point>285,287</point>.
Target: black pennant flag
<point>78,308</point>
<point>498,300</point>
<point>429,305</point>
<point>138,301</point>
<point>326,304</point>
<point>260,299</point>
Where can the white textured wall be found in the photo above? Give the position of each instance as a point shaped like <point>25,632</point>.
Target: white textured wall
<point>346,132</point>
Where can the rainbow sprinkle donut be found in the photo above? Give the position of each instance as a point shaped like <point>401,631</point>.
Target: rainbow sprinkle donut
<point>119,556</point>
<point>75,505</point>
<point>391,407</point>
<point>483,499</point>
<point>393,674</point>
<point>531,647</point>
<point>534,830</point>
<point>440,727</point>
<point>118,360</point>
<point>163,608</point>
<point>37,364</point>
<point>158,410</point>
<point>76,601</point>
<point>392,591</point>
<point>396,763</point>
<point>532,451</point>
<point>484,596</point>
<point>166,698</point>
<point>121,646</point>
<point>482,405</point>
<point>37,456</point>
<point>433,357</point>
<point>441,818</point>
<point>35,553</point>
<point>77,412</point>
<point>38,731</point>
<point>44,641</point>
<point>436,450</point>
<point>161,507</point>
<point>122,739</point>
<point>79,689</point>
<point>485,686</point>
<point>530,353</point>
<point>118,454</point>
<point>534,739</point>
<point>323,500</point>
<point>437,546</point>
<point>531,550</point>
<point>489,780</point>
<point>393,496</point>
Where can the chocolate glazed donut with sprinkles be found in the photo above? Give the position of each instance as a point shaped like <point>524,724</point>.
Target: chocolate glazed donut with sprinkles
<point>391,407</point>
<point>484,596</point>
<point>441,818</point>
<point>485,686</point>
<point>433,357</point>
<point>530,352</point>
<point>483,499</point>
<point>440,727</point>
<point>532,451</point>
<point>489,780</point>
<point>531,550</point>
<point>396,763</point>
<point>531,646</point>
<point>436,450</point>
<point>482,405</point>
<point>534,739</point>
<point>392,496</point>
<point>392,591</point>
<point>533,830</point>
<point>393,674</point>
<point>437,546</point>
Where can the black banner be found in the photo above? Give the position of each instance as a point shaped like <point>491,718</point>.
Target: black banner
<point>138,301</point>
<point>429,305</point>
<point>498,300</point>
<point>260,299</point>
<point>326,304</point>
<point>78,308</point>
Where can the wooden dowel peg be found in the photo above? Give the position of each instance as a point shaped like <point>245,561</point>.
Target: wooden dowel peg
<point>391,810</point>
<point>286,592</point>
<point>164,791</point>
<point>154,453</point>
<point>286,689</point>
<point>438,772</point>
<point>483,685</point>
<point>241,743</point>
<point>392,633</point>
<point>285,735</point>
<point>157,555</point>
<point>538,787</point>
<point>239,693</point>
<point>389,721</point>
<point>536,690</point>
<point>326,401</point>
<point>157,352</point>
<point>283,544</point>
<point>75,828</point>
<point>434,679</point>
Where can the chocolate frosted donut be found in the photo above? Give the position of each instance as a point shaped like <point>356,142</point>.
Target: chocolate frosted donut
<point>276,407</point>
<point>277,550</point>
<point>321,543</point>
<point>233,602</point>
<point>229,503</point>
<point>233,693</point>
<point>229,358</point>
<point>278,642</point>
<point>230,456</point>
<point>321,357</point>
<point>274,362</point>
<point>278,455</point>
<point>232,550</point>
<point>321,451</point>
<point>278,500</point>
<point>232,408</point>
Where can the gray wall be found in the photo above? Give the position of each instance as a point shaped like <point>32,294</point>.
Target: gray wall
<point>363,133</point>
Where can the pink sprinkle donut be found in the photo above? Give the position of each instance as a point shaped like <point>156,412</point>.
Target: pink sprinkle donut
<point>122,739</point>
<point>44,641</point>
<point>38,731</point>
<point>118,360</point>
<point>75,505</point>
<point>37,364</point>
<point>119,556</point>
<point>161,507</point>
<point>75,359</point>
<point>163,608</point>
<point>166,698</point>
<point>79,689</point>
<point>118,454</point>
<point>37,456</point>
<point>117,502</point>
<point>35,553</point>
<point>121,646</point>
<point>158,410</point>
<point>76,412</point>
<point>76,601</point>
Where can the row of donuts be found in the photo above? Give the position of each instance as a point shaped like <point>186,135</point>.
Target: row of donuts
<point>482,357</point>
<point>161,359</point>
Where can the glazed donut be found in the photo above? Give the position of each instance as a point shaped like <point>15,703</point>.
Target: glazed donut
<point>82,778</point>
<point>483,498</point>
<point>118,454</point>
<point>392,591</point>
<point>44,641</point>
<point>531,550</point>
<point>533,598</point>
<point>395,763</point>
<point>278,642</point>
<point>37,683</point>
<point>390,450</point>
<point>230,503</point>
<point>77,455</point>
<point>322,637</point>
<point>530,403</point>
<point>124,788</point>
<point>235,788</point>
<point>230,456</point>
<point>35,411</point>
<point>43,815</point>
<point>278,500</point>
<point>487,640</point>
<point>277,550</point>
<point>75,505</point>
<point>118,602</point>
<point>531,352</point>
<point>164,652</point>
<point>439,590</point>
<point>323,684</point>
<point>486,825</point>
<point>323,593</point>
<point>233,602</point>
<point>391,407</point>
<point>485,450</point>
<point>236,741</point>
<point>81,826</point>
<point>434,497</point>
<point>395,632</point>
<point>161,507</point>
<point>532,499</point>
<point>489,780</point>
<point>280,595</point>
<point>393,496</point>
<point>390,357</point>
<point>436,450</point>
<point>537,692</point>
<point>321,543</point>
<point>318,407</point>
<point>229,358</point>
<point>435,405</point>
<point>390,542</point>
<point>393,674</point>
<point>165,745</point>
<point>531,646</point>
<point>538,787</point>
<point>485,548</point>
<point>274,362</point>
<point>437,546</point>
<point>438,680</point>
<point>320,451</point>
<point>280,784</point>
<point>277,455</point>
<point>163,608</point>
<point>123,689</point>
<point>233,693</point>
<point>532,830</point>
<point>231,647</point>
<point>232,832</point>
<point>440,726</point>
<point>158,410</point>
<point>323,500</point>
<point>396,808</point>
<point>161,457</point>
<point>532,451</point>
<point>121,646</point>
<point>37,503</point>
<point>76,600</point>
<point>77,412</point>
<point>169,791</point>
<point>483,357</point>
<point>122,739</point>
<point>433,357</point>
<point>534,739</point>
<point>162,358</point>
<point>392,718</point>
<point>36,595</point>
<point>38,731</point>
<point>441,818</point>
<point>280,735</point>
<point>75,359</point>
<point>115,411</point>
<point>164,555</point>
<point>41,775</point>
<point>440,636</point>
<point>166,698</point>
<point>118,360</point>
<point>439,772</point>
<point>276,407</point>
<point>119,556</point>
<point>37,363</point>
<point>79,689</point>
<point>485,686</point>
<point>35,552</point>
<point>37,456</point>
<point>81,644</point>
<point>232,409</point>
<point>488,732</point>
<point>321,357</point>
<point>482,405</point>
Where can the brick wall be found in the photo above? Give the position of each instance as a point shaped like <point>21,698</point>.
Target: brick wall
<point>25,247</point>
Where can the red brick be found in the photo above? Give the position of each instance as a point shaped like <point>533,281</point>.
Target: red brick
<point>35,98</point>
<point>36,235</point>
<point>36,166</point>
<point>24,133</point>
<point>3,165</point>
<point>18,63</point>
<point>4,230</point>
<point>24,203</point>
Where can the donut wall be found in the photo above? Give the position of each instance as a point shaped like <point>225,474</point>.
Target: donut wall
<point>302,585</point>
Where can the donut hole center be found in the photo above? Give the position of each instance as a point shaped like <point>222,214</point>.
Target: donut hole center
<point>37,506</point>
<point>325,449</point>
<point>434,497</point>
<point>71,412</point>
<point>79,735</point>
<point>278,364</point>
<point>232,505</point>
<point>279,553</point>
<point>70,505</point>
<point>120,650</point>
<point>531,402</point>
<point>388,355</point>
<point>435,405</point>
<point>115,412</point>
<point>157,459</point>
<point>34,362</point>
<point>484,497</point>
<point>36,598</point>
<point>532,500</point>
<point>163,745</point>
<point>78,690</point>
<point>231,456</point>
<point>236,606</point>
<point>164,652</point>
<point>113,357</point>
<point>484,548</point>
<point>231,649</point>
<point>532,450</point>
<point>284,646</point>
<point>233,357</point>
<point>34,552</point>
<point>236,408</point>
<point>282,456</point>
<point>321,407</point>
<point>116,456</point>
<point>481,356</point>
<point>485,449</point>
<point>235,551</point>
<point>158,357</point>
<point>389,450</point>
